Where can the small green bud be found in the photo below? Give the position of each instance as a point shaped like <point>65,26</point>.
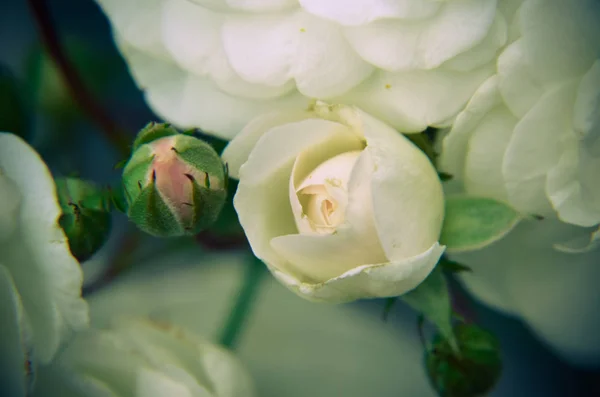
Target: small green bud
<point>473,371</point>
<point>174,184</point>
<point>86,216</point>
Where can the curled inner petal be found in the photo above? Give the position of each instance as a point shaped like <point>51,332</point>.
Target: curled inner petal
<point>323,194</point>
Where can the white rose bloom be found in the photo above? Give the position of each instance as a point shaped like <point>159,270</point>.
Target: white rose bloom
<point>216,64</point>
<point>142,358</point>
<point>339,205</point>
<point>40,281</point>
<point>530,136</point>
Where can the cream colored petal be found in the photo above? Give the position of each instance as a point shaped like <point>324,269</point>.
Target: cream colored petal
<point>561,39</point>
<point>264,182</point>
<point>519,84</point>
<point>527,160</point>
<point>396,46</point>
<point>368,281</point>
<point>273,49</point>
<point>247,5</point>
<point>238,150</point>
<point>485,154</point>
<point>316,259</point>
<point>307,161</point>
<point>16,355</point>
<point>139,29</point>
<point>360,12</point>
<point>45,273</point>
<point>573,185</point>
<point>455,143</point>
<point>190,101</point>
<point>483,52</point>
<point>412,101</point>
<point>10,197</point>
<point>407,195</point>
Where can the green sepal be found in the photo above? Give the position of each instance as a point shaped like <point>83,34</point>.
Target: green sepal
<point>201,156</point>
<point>432,299</point>
<point>474,372</point>
<point>85,216</point>
<point>136,172</point>
<point>152,215</point>
<point>208,204</point>
<point>151,132</point>
<point>472,223</point>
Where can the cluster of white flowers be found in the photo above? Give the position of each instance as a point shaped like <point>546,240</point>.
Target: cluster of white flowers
<point>517,83</point>
<point>332,197</point>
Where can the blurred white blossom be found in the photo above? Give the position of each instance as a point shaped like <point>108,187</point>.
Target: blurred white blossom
<point>530,136</point>
<point>339,205</point>
<point>40,281</point>
<point>137,357</point>
<point>216,64</point>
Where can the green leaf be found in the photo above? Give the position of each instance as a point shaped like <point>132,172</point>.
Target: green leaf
<point>14,117</point>
<point>85,216</point>
<point>474,372</point>
<point>432,299</point>
<point>472,223</point>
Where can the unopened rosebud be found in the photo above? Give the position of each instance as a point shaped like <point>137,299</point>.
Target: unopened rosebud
<point>174,184</point>
<point>85,216</point>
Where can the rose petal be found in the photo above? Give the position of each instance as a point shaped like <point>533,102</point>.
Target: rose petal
<point>485,155</point>
<point>264,180</point>
<point>412,101</point>
<point>483,52</point>
<point>192,101</point>
<point>308,161</point>
<point>247,5</point>
<point>138,29</point>
<point>527,162</point>
<point>14,359</point>
<point>273,49</point>
<point>573,186</point>
<point>393,45</point>
<point>316,259</point>
<point>369,281</point>
<point>572,27</point>
<point>38,258</point>
<point>455,144</point>
<point>406,192</point>
<point>518,83</point>
<point>360,12</point>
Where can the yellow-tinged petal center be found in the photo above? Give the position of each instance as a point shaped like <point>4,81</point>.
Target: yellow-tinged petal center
<point>323,194</point>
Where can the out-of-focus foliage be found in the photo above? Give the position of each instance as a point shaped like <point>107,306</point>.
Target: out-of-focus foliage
<point>469,373</point>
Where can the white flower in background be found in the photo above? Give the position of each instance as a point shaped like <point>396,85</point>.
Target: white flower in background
<point>339,205</point>
<point>141,358</point>
<point>292,347</point>
<point>40,281</point>
<point>216,64</point>
<point>530,136</point>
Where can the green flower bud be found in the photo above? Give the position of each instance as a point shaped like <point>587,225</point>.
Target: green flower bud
<point>473,372</point>
<point>174,184</point>
<point>85,216</point>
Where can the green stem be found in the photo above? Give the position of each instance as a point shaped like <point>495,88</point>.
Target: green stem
<point>242,306</point>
